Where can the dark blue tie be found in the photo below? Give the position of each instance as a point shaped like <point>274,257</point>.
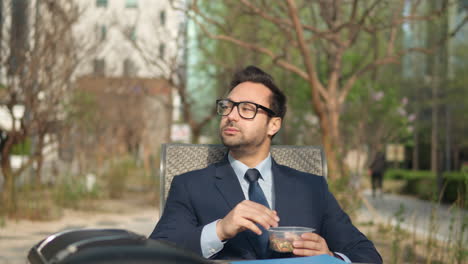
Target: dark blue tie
<point>256,195</point>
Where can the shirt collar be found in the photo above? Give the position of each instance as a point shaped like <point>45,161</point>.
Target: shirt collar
<point>263,167</point>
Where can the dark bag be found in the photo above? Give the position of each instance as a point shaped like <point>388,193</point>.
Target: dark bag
<point>107,246</point>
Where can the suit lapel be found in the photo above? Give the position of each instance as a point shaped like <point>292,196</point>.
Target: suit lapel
<point>228,184</point>
<point>229,187</point>
<point>284,187</point>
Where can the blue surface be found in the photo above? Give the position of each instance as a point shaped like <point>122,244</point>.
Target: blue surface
<point>321,259</point>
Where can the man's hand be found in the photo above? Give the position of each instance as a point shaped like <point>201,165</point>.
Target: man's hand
<point>311,245</point>
<point>244,216</point>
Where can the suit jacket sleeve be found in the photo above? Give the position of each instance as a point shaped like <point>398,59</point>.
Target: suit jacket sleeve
<point>179,224</point>
<point>342,236</point>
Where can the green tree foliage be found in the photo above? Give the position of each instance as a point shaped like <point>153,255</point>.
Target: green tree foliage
<point>331,45</point>
<point>457,98</point>
<point>212,63</point>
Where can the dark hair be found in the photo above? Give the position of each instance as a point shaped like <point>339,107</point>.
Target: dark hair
<point>256,75</point>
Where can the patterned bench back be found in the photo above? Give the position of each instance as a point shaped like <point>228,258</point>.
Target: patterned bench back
<point>179,158</point>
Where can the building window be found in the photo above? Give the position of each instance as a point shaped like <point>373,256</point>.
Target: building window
<point>129,68</point>
<point>102,32</point>
<point>130,32</point>
<point>162,17</point>
<point>131,3</point>
<point>133,34</point>
<point>99,67</point>
<point>162,50</point>
<point>101,3</point>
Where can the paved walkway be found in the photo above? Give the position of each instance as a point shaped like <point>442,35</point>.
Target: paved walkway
<point>425,218</point>
<point>17,237</point>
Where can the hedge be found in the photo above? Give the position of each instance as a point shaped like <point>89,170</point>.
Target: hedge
<point>423,184</point>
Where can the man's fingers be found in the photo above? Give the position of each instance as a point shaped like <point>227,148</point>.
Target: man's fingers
<point>311,244</point>
<point>247,215</point>
<point>306,252</point>
<point>250,225</point>
<point>261,219</point>
<point>307,245</point>
<point>311,237</point>
<point>309,248</point>
<point>258,214</point>
<point>260,209</point>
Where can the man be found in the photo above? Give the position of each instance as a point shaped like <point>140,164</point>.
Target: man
<point>222,211</point>
<point>377,170</point>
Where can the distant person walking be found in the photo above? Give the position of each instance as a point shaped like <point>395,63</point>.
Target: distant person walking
<point>377,170</point>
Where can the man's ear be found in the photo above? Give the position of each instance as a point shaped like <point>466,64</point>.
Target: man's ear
<point>274,125</point>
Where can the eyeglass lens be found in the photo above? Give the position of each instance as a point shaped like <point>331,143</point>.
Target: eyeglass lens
<point>245,109</point>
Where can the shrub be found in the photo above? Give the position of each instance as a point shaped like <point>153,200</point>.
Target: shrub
<point>395,174</point>
<point>399,174</point>
<point>464,168</point>
<point>117,175</point>
<point>71,190</point>
<point>423,184</point>
<point>456,186</point>
<point>35,203</point>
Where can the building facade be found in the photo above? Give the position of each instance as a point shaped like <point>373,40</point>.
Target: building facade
<point>130,42</point>
<point>135,42</point>
<point>136,38</point>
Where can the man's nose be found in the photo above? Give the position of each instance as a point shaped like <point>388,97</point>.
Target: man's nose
<point>234,115</point>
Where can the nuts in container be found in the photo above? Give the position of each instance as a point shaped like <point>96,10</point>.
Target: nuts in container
<point>281,238</point>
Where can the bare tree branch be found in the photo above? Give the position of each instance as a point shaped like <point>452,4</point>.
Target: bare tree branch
<point>308,60</point>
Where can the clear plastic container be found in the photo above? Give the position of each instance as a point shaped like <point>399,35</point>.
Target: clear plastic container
<point>281,238</point>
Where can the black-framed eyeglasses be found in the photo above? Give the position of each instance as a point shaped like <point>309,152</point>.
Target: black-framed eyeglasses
<point>247,110</point>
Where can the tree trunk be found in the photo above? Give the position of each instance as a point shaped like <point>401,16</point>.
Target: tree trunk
<point>334,170</point>
<point>456,157</point>
<point>8,194</point>
<point>196,133</point>
<point>329,134</point>
<point>415,164</point>
<point>439,73</point>
<point>435,116</point>
<point>331,137</point>
<point>448,152</point>
<point>39,160</point>
<point>38,172</point>
<point>8,184</point>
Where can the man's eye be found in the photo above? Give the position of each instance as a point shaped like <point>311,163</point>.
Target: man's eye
<point>248,109</point>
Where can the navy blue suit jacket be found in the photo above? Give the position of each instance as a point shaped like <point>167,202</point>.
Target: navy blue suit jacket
<point>200,197</point>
